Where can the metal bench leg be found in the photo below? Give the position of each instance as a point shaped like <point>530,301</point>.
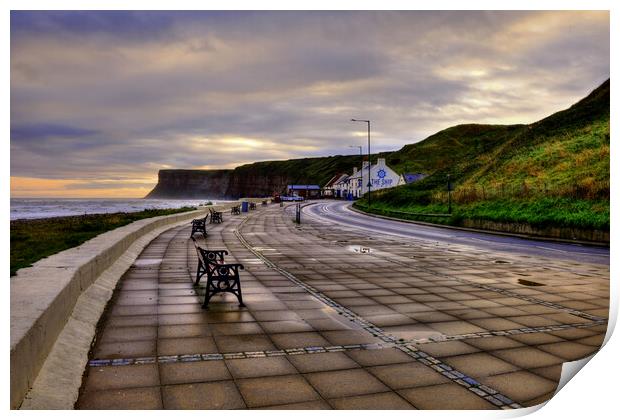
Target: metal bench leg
<point>209,293</point>
<point>236,290</point>
<point>200,271</point>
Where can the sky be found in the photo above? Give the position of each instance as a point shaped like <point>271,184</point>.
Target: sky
<point>101,100</point>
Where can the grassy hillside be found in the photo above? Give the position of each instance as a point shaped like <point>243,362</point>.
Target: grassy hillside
<point>554,172</point>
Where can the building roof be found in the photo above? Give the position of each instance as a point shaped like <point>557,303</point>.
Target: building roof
<point>335,179</point>
<point>303,187</point>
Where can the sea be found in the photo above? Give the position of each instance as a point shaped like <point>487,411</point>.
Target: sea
<point>40,208</point>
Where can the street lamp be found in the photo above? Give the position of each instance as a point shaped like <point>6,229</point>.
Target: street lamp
<point>449,198</point>
<point>369,184</point>
<point>362,162</point>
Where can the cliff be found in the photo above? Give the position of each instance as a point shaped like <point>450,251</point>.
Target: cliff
<point>189,183</point>
<point>251,180</point>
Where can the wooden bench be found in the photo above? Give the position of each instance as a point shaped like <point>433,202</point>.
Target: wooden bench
<point>216,216</point>
<point>221,278</point>
<point>199,225</point>
<point>252,205</point>
<point>235,210</point>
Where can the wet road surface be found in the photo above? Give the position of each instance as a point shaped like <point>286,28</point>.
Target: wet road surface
<point>340,212</point>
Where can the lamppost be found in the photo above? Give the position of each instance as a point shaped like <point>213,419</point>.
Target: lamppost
<point>449,198</point>
<point>369,184</point>
<point>362,163</point>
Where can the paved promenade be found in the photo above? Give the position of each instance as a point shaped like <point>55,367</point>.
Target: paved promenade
<point>336,318</point>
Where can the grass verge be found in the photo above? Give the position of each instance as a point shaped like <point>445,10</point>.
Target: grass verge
<point>34,239</point>
<point>538,212</point>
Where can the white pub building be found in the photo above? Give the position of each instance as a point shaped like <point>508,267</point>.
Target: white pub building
<point>356,185</point>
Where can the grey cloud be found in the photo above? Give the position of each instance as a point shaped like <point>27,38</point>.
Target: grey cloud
<point>121,94</point>
<point>42,131</point>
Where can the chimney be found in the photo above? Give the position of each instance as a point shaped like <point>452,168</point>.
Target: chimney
<point>354,170</point>
<point>381,162</point>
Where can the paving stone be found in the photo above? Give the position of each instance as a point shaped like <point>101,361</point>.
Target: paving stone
<point>379,357</point>
<point>320,362</point>
<point>521,385</point>
<point>202,396</point>
<point>306,405</point>
<point>531,320</point>
<point>124,310</point>
<point>479,364</point>
<point>114,377</point>
<point>185,345</point>
<point>381,401</point>
<point>494,343</point>
<point>236,328</point>
<point>494,324</point>
<point>573,333</point>
<point>125,349</point>
<point>390,320</point>
<point>455,327</point>
<point>276,390</point>
<point>568,350</point>
<point>121,399</point>
<point>349,337</point>
<point>188,372</point>
<point>260,367</point>
<point>447,348</point>
<point>177,331</point>
<point>536,338</point>
<point>538,400</point>
<point>285,326</point>
<point>343,383</point>
<point>527,357</point>
<point>594,341</point>
<point>276,315</point>
<point>434,316</point>
<point>448,396</point>
<point>240,343</point>
<point>122,334</point>
<point>297,340</point>
<point>327,324</point>
<point>407,375</point>
<point>553,373</point>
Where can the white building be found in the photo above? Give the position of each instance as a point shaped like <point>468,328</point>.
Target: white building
<point>332,188</point>
<point>381,176</point>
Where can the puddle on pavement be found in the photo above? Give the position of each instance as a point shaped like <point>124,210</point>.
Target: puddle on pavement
<point>529,283</point>
<point>408,333</point>
<point>253,261</point>
<point>359,249</point>
<point>141,262</point>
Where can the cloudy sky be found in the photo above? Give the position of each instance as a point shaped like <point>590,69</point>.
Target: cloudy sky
<point>100,101</point>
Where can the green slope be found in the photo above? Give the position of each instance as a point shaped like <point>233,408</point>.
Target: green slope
<point>554,172</point>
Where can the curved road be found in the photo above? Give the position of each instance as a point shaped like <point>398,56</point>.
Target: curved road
<point>339,212</point>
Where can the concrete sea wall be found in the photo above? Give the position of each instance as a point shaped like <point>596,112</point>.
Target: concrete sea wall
<point>565,233</point>
<point>56,304</point>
